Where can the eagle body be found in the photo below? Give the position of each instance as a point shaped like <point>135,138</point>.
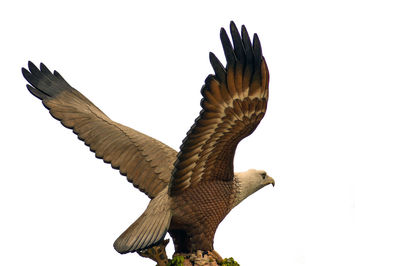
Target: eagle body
<point>190,191</point>
<point>197,214</point>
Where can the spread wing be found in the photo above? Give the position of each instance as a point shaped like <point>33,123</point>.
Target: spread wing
<point>146,162</point>
<point>234,102</point>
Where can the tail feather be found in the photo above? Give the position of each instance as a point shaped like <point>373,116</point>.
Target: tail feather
<point>149,229</point>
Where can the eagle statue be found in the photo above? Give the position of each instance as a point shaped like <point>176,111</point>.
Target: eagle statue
<point>190,191</point>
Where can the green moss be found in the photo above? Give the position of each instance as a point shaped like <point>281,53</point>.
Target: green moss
<point>176,261</point>
<point>229,262</point>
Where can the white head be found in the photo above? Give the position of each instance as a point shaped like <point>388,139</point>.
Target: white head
<point>251,181</point>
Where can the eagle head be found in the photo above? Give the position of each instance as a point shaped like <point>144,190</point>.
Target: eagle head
<point>249,182</point>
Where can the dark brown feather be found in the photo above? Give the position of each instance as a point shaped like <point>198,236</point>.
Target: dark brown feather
<point>234,102</point>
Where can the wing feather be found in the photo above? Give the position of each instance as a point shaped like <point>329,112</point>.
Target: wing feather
<point>234,102</point>
<point>146,162</point>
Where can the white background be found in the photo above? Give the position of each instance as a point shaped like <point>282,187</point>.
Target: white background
<point>330,137</point>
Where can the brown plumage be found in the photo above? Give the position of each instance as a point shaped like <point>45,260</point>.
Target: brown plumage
<point>191,191</point>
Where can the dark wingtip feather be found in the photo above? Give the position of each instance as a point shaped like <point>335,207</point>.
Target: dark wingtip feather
<point>218,67</point>
<point>58,75</point>
<point>32,79</point>
<point>25,73</point>
<point>227,46</point>
<point>30,64</point>
<point>45,83</point>
<point>46,72</point>
<point>44,69</point>
<point>257,45</point>
<point>35,92</point>
<point>237,43</point>
<point>245,34</point>
<point>247,44</point>
<point>232,27</point>
<point>257,50</point>
<point>32,68</point>
<point>37,76</point>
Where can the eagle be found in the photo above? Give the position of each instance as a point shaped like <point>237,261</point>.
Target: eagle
<point>190,191</point>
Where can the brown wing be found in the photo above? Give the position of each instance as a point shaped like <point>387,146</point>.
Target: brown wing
<point>146,162</point>
<point>234,102</point>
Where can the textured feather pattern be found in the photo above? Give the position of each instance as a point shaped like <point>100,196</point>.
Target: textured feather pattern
<point>198,212</point>
<point>234,102</point>
<point>146,162</point>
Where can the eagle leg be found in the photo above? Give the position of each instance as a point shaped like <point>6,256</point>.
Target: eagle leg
<point>211,258</point>
<point>213,253</point>
<point>156,253</point>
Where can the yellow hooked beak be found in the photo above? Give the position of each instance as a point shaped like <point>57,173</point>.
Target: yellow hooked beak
<point>270,180</point>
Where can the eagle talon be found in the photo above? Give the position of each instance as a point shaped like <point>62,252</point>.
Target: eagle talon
<point>156,253</point>
<point>213,253</point>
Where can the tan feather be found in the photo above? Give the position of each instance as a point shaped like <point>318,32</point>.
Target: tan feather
<point>123,147</point>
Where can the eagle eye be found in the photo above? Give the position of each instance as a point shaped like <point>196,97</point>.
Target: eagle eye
<point>263,175</point>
